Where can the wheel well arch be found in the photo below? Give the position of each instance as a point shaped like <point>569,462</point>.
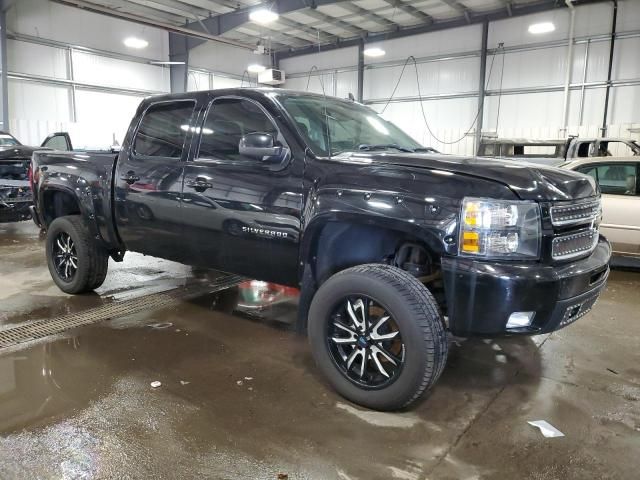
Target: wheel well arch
<point>332,246</point>
<point>337,245</point>
<point>58,203</point>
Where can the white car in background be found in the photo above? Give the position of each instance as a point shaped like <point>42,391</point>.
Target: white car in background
<point>619,183</point>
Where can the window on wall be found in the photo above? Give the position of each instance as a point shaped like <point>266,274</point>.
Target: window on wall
<point>227,121</point>
<point>163,129</point>
<point>614,178</point>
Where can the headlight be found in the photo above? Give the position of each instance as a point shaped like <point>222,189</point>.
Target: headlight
<point>499,229</point>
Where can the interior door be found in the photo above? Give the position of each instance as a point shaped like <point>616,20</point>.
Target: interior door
<point>242,213</point>
<point>60,141</point>
<point>148,181</point>
<point>620,204</point>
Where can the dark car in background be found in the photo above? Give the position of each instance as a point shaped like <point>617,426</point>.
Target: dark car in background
<point>15,158</point>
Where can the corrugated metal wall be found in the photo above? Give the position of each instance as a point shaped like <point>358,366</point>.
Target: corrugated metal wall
<point>528,91</point>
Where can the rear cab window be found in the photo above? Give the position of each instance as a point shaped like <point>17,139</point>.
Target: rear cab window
<point>163,129</point>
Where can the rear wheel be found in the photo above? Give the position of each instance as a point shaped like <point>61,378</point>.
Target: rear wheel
<point>76,262</point>
<point>378,336</point>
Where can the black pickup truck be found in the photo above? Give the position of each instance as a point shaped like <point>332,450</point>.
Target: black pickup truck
<point>390,246</point>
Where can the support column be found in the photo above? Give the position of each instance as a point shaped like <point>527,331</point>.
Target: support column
<point>482,84</point>
<point>4,88</point>
<point>178,52</point>
<point>603,129</point>
<point>360,71</point>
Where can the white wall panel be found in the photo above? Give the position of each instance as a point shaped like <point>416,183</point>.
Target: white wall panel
<point>625,105</point>
<point>101,115</point>
<point>625,58</point>
<point>42,18</point>
<point>448,120</point>
<point>331,59</point>
<point>36,59</point>
<point>628,15</point>
<point>450,76</point>
<point>526,110</point>
<point>35,101</point>
<point>593,107</point>
<point>529,68</point>
<point>226,82</point>
<point>112,72</point>
<point>224,58</point>
<point>197,81</point>
<point>598,64</point>
<point>33,132</point>
<point>315,83</point>
<point>454,40</point>
<point>346,83</point>
<point>590,20</point>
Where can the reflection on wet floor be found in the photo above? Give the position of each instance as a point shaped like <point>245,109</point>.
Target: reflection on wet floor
<point>240,397</point>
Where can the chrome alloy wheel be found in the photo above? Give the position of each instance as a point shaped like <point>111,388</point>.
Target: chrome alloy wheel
<point>365,342</point>
<point>65,257</point>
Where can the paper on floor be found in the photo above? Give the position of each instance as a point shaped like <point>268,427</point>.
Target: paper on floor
<point>546,428</point>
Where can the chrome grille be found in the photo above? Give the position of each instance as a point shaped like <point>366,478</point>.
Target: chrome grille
<point>575,213</point>
<point>573,245</point>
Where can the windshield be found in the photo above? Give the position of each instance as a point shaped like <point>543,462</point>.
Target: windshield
<point>7,140</point>
<point>332,126</point>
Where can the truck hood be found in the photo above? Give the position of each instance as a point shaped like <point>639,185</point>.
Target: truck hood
<point>526,180</point>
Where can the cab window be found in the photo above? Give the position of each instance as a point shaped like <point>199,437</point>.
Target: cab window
<point>227,121</point>
<point>163,130</point>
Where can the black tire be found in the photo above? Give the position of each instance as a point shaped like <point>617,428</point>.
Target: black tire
<point>416,316</point>
<point>91,260</point>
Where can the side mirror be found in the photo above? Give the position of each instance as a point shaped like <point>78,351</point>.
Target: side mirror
<point>260,145</point>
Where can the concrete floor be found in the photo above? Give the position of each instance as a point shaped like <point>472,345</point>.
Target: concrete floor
<point>80,404</point>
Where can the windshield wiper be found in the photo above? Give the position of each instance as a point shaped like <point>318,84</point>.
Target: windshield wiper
<point>383,146</point>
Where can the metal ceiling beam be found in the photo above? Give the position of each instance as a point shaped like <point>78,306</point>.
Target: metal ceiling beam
<point>411,10</point>
<point>220,24</point>
<point>172,29</point>
<point>173,7</point>
<point>497,14</point>
<point>218,6</point>
<point>458,7</point>
<point>349,27</point>
<point>312,32</point>
<point>385,22</point>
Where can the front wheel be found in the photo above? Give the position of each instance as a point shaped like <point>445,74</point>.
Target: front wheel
<point>377,335</point>
<point>76,262</point>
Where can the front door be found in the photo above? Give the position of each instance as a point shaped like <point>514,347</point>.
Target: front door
<point>148,181</point>
<point>241,213</point>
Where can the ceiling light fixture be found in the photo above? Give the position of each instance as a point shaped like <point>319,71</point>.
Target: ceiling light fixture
<point>134,42</point>
<point>374,52</point>
<point>162,62</point>
<point>263,16</point>
<point>543,27</point>
<point>255,68</point>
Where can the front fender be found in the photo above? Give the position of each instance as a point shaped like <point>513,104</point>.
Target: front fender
<point>430,220</point>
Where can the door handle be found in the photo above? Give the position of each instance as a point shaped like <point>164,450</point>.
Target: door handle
<point>200,184</point>
<point>130,177</point>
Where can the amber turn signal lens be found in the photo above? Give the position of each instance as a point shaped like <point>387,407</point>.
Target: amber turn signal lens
<point>471,242</point>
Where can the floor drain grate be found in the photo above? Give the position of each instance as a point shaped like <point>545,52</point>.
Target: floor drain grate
<point>39,329</point>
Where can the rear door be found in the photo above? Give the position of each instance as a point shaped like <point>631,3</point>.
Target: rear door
<point>242,214</point>
<point>148,180</point>
<point>620,203</point>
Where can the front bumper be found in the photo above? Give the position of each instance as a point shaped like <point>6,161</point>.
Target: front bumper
<point>482,295</point>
